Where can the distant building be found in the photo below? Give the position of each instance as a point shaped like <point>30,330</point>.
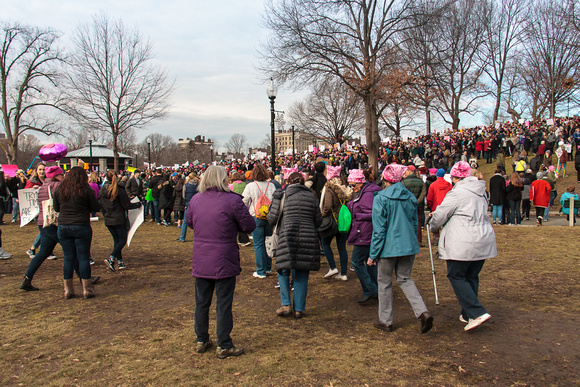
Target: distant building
<point>302,141</point>
<point>198,149</point>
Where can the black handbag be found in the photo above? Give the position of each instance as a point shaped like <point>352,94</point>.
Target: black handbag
<point>329,227</point>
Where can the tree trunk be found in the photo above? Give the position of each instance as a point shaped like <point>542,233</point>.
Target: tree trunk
<point>115,153</point>
<point>497,105</point>
<point>372,131</point>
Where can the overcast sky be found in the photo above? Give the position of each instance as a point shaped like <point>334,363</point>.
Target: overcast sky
<point>208,47</point>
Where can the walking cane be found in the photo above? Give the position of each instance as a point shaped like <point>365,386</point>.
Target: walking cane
<point>432,266</point>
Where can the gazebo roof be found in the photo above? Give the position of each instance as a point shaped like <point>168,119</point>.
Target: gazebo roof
<point>99,151</point>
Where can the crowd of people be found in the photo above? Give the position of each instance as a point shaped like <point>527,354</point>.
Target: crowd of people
<point>238,203</point>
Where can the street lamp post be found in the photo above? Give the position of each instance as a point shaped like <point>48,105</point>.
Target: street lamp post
<point>272,91</point>
<point>90,154</point>
<point>149,151</point>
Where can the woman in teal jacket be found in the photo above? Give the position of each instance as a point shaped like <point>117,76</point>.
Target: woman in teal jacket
<point>566,198</point>
<point>393,247</point>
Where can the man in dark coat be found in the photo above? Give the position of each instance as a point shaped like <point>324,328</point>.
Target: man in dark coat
<point>497,193</point>
<point>134,186</point>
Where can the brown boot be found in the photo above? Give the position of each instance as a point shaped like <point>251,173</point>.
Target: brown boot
<point>69,290</point>
<point>88,289</point>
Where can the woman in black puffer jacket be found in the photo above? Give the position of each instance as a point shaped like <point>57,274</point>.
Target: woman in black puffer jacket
<point>298,248</point>
<point>114,205</point>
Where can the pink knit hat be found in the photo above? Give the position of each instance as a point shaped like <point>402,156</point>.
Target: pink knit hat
<point>288,171</point>
<point>551,168</point>
<point>356,176</point>
<point>54,171</point>
<point>461,169</point>
<point>332,172</point>
<point>394,172</point>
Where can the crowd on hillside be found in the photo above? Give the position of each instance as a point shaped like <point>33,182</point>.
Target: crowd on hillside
<point>430,176</point>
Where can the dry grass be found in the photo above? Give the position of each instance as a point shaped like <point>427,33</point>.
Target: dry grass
<point>139,328</point>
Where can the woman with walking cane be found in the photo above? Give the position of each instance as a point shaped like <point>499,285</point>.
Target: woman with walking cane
<point>467,240</point>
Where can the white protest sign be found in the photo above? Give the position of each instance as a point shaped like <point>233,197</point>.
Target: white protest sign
<point>521,121</point>
<point>550,121</point>
<point>135,220</point>
<point>28,200</point>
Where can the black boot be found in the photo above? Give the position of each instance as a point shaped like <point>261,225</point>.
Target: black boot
<point>27,284</point>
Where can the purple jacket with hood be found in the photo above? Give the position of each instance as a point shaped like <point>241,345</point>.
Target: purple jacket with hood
<point>216,218</point>
<point>361,209</point>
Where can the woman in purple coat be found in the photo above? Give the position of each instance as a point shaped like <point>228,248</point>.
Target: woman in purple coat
<point>216,215</point>
<point>361,231</point>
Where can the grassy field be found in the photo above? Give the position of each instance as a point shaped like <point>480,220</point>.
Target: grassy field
<point>139,328</point>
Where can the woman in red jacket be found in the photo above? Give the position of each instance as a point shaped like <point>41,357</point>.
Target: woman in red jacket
<point>540,196</point>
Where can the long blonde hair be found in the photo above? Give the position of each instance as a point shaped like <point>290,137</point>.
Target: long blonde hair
<point>114,187</point>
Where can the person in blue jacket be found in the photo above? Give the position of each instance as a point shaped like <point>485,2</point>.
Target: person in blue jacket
<point>393,247</point>
<point>566,198</point>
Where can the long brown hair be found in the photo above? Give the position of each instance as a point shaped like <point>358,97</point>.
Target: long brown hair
<point>114,187</point>
<point>516,180</point>
<point>74,184</point>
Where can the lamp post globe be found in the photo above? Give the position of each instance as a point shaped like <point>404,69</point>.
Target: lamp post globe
<point>272,91</point>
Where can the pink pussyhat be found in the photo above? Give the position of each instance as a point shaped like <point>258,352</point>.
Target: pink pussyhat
<point>288,171</point>
<point>461,169</point>
<point>394,172</point>
<point>356,176</point>
<point>332,172</point>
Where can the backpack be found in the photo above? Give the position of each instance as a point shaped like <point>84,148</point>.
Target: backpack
<point>262,205</point>
<point>344,219</point>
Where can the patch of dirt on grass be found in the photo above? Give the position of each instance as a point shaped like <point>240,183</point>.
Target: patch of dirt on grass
<point>139,328</point>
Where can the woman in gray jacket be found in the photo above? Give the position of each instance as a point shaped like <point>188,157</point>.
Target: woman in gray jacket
<point>467,240</point>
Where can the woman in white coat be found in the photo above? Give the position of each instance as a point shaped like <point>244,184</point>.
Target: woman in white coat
<point>467,240</point>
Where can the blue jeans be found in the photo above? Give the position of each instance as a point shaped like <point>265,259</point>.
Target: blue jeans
<point>15,210</point>
<point>367,275</point>
<point>183,226</point>
<point>75,241</point>
<point>119,233</point>
<point>156,210</point>
<point>497,212</point>
<point>263,261</point>
<point>515,215</point>
<point>48,240</point>
<point>300,288</point>
<point>553,195</point>
<point>341,245</point>
<point>464,278</point>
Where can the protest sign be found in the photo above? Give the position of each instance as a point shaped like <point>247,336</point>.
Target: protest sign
<point>550,121</point>
<point>28,201</point>
<point>9,169</point>
<point>135,220</point>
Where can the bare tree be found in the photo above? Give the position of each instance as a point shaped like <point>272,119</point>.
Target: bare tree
<point>112,83</point>
<point>237,144</point>
<point>503,33</point>
<point>331,112</point>
<point>458,68</point>
<point>28,148</point>
<point>345,39</point>
<point>28,58</point>
<point>551,64</point>
<point>160,146</point>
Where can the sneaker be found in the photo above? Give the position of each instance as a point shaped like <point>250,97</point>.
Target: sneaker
<point>91,262</point>
<point>51,257</point>
<point>256,275</point>
<point>331,272</point>
<point>31,253</point>
<point>5,255</point>
<point>203,347</point>
<point>246,244</point>
<point>462,319</point>
<point>539,221</point>
<point>178,226</point>
<point>284,311</point>
<point>110,264</point>
<point>277,286</point>
<point>121,265</point>
<point>222,353</point>
<point>341,277</point>
<point>475,322</point>
<point>351,268</point>
<point>180,240</point>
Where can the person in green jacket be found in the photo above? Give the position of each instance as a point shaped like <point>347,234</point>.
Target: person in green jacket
<point>393,247</point>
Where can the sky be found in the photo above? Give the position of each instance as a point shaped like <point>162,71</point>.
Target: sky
<point>208,47</point>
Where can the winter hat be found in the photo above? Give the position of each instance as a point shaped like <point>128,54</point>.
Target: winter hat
<point>461,169</point>
<point>288,171</point>
<point>411,168</point>
<point>54,171</point>
<point>332,172</point>
<point>356,176</point>
<point>551,168</point>
<point>394,172</point>
<point>174,174</point>
<point>440,172</point>
<point>432,171</point>
<point>248,174</point>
